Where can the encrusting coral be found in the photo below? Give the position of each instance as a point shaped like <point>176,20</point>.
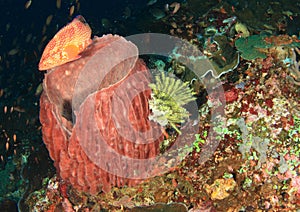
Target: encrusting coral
<point>294,68</point>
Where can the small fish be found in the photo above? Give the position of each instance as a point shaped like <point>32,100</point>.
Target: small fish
<point>27,4</point>
<point>71,11</point>
<point>157,13</point>
<point>176,7</point>
<point>58,4</point>
<point>67,44</point>
<point>151,2</point>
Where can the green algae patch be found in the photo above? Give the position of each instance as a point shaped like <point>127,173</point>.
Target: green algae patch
<point>249,47</point>
<point>257,46</point>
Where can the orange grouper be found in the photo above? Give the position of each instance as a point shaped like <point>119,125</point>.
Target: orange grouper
<point>67,44</point>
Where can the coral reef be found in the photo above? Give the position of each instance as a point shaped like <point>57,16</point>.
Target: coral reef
<point>294,67</point>
<point>256,163</point>
<point>253,165</point>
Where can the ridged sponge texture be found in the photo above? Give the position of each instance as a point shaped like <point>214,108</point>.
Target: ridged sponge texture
<point>94,115</point>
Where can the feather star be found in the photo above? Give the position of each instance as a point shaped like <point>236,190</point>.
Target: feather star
<point>67,44</point>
